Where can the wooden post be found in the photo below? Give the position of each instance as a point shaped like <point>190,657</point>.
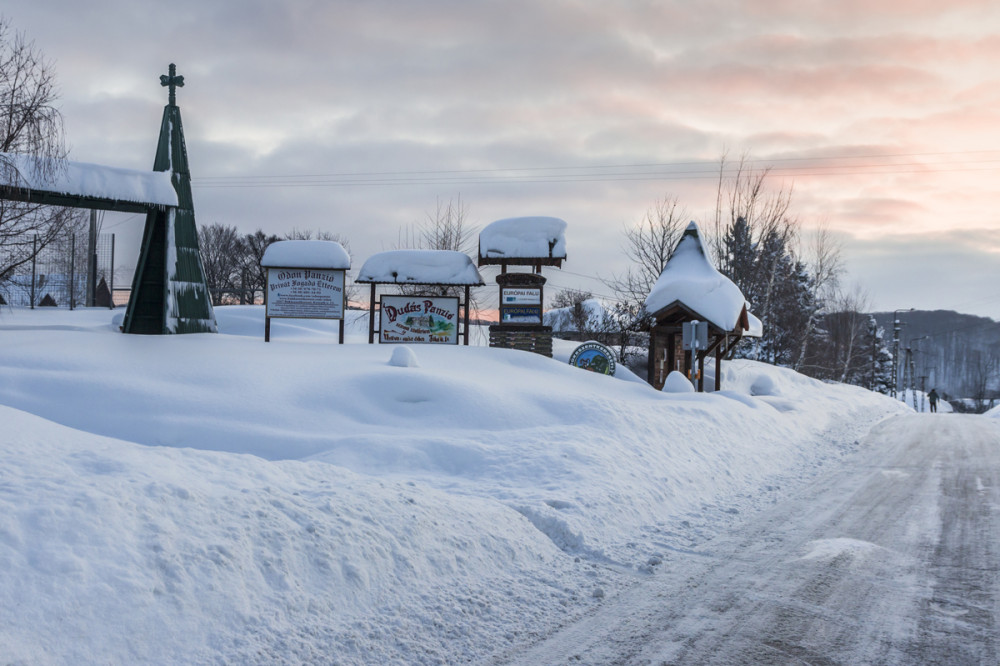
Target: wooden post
<point>267,328</point>
<point>701,372</point>
<point>467,291</point>
<point>371,317</point>
<point>342,327</point>
<point>718,368</point>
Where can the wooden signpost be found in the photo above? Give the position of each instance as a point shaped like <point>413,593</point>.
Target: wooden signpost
<point>305,280</point>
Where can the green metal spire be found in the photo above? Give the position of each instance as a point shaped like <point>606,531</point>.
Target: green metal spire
<point>169,292</point>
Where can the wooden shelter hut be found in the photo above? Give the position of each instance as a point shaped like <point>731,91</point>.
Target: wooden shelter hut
<point>691,289</point>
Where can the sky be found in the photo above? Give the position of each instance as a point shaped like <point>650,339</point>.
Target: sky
<point>360,118</point>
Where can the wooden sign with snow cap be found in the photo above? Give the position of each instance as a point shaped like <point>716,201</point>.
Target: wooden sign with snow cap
<point>419,319</point>
<point>522,241</point>
<point>305,280</point>
<point>521,299</point>
<point>431,315</point>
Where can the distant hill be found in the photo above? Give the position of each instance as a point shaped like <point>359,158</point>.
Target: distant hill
<point>959,353</point>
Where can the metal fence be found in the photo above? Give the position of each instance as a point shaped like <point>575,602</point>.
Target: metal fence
<point>57,276</point>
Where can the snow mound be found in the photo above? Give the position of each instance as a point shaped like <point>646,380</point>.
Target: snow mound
<point>676,382</point>
<point>163,500</point>
<point>565,320</point>
<point>403,357</point>
<point>830,549</point>
<point>763,385</point>
<point>421,267</point>
<point>524,238</point>
<point>319,254</point>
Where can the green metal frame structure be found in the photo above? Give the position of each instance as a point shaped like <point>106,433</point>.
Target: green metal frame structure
<point>169,292</point>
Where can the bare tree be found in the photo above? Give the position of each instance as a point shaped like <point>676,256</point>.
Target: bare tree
<point>222,253</point>
<point>444,229</point>
<point>253,276</point>
<point>350,290</point>
<point>754,239</point>
<point>846,327</point>
<point>575,316</point>
<point>982,371</point>
<point>826,267</point>
<point>649,245</point>
<point>30,124</point>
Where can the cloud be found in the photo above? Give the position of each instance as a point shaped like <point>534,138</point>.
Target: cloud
<point>312,88</point>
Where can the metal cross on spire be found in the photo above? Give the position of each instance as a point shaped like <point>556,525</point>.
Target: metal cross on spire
<point>173,81</point>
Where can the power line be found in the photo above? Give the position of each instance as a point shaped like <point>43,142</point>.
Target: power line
<point>621,172</point>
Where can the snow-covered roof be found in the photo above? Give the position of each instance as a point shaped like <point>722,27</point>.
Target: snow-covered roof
<point>87,180</point>
<point>306,254</point>
<point>420,267</point>
<point>524,238</point>
<point>689,278</point>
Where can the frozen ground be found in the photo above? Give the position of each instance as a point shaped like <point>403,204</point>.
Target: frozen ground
<point>212,498</point>
<point>888,559</point>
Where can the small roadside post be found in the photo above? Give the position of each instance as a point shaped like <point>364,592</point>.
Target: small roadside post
<point>695,337</point>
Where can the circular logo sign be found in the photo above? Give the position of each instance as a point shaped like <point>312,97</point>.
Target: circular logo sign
<point>595,357</point>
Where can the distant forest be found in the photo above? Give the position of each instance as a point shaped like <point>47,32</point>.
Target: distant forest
<point>959,354</point>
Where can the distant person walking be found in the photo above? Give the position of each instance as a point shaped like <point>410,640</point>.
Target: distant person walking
<point>933,398</point>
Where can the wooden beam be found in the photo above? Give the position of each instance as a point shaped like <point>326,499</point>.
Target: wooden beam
<point>45,198</point>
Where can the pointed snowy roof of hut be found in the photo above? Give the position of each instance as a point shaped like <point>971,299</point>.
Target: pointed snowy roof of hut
<point>690,279</point>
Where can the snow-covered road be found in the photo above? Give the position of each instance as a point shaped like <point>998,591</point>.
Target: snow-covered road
<point>891,558</point>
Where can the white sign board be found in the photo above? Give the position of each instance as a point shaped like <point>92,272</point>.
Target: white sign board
<point>520,296</point>
<point>305,293</point>
<point>419,319</point>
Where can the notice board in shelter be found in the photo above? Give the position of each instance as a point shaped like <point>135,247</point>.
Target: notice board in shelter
<point>419,320</point>
<point>305,293</point>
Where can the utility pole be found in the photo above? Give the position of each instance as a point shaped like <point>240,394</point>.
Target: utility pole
<point>896,328</point>
<point>91,259</point>
<point>923,391</point>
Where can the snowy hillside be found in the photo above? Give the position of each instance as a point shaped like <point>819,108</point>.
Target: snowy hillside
<point>215,498</point>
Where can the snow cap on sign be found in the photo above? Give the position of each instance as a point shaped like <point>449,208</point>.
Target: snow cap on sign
<point>306,254</point>
<point>689,278</point>
<point>87,180</point>
<point>524,238</point>
<point>420,267</point>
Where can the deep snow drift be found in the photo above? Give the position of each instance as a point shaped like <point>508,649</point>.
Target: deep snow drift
<point>209,498</point>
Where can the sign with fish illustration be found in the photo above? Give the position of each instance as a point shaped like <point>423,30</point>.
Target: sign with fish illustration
<point>418,319</point>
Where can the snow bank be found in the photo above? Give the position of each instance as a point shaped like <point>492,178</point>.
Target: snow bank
<point>212,498</point>
<point>420,267</point>
<point>690,279</point>
<point>90,180</point>
<point>562,319</point>
<point>524,238</point>
<point>329,255</point>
